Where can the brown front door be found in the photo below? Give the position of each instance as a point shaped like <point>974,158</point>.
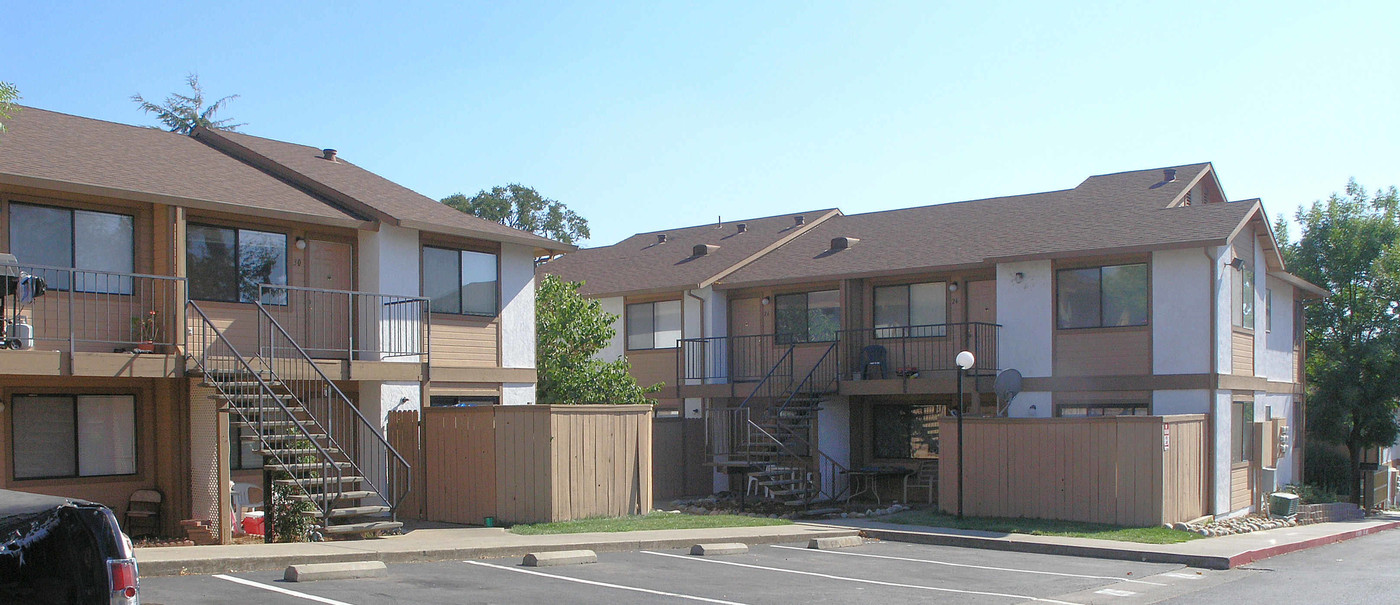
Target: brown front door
<point>329,266</point>
<point>982,310</point>
<point>747,348</point>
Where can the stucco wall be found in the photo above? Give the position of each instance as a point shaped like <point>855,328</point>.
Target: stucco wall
<point>616,347</point>
<point>1279,406</point>
<point>1025,309</point>
<point>1181,312</point>
<point>517,306</point>
<point>517,393</point>
<point>1035,404</point>
<point>1260,282</point>
<point>1275,360</point>
<point>1193,401</point>
<point>1220,421</point>
<point>388,263</point>
<point>1223,364</point>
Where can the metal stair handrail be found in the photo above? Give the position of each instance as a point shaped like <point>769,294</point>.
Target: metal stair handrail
<point>797,388</point>
<point>265,392</point>
<point>818,459</point>
<point>390,494</point>
<point>786,358</point>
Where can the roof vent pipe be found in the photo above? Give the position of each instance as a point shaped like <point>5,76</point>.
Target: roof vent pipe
<point>743,227</point>
<point>1168,175</point>
<point>800,220</point>
<point>328,154</point>
<point>661,238</point>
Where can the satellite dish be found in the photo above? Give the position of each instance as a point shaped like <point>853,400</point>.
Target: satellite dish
<point>1007,386</point>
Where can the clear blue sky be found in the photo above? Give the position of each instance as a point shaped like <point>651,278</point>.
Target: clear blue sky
<point>648,115</point>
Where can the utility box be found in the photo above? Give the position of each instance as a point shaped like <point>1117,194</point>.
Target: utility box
<point>1283,504</point>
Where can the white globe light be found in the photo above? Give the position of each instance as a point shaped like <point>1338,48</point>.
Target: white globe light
<point>965,360</point>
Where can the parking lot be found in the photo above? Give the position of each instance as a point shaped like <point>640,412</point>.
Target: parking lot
<point>875,572</point>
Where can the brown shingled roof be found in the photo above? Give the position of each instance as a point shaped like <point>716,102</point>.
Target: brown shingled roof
<point>367,191</point>
<point>1107,213</point>
<point>640,264</point>
<point>52,150</point>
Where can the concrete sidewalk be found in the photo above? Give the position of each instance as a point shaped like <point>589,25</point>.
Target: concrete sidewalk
<point>443,542</point>
<point>1210,553</point>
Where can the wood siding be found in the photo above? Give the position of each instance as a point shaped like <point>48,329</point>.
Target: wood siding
<point>1117,470</point>
<point>1241,485</point>
<point>1242,352</point>
<point>536,463</point>
<point>465,340</point>
<point>1103,352</point>
<point>654,366</point>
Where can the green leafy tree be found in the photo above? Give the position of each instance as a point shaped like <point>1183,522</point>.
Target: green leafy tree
<point>523,208</point>
<point>8,95</point>
<point>183,113</point>
<point>571,330</point>
<point>1350,244</point>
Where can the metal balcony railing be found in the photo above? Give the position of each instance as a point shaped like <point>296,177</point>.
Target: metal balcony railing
<point>92,311</point>
<point>341,324</point>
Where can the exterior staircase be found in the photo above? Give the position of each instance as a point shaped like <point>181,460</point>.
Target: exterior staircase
<point>776,451</point>
<point>314,442</point>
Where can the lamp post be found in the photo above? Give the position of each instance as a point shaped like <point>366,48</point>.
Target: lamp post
<point>964,361</point>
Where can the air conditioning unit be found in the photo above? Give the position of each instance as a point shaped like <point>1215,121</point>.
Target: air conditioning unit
<point>1283,504</point>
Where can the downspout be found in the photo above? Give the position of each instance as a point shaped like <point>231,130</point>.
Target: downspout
<point>1214,373</point>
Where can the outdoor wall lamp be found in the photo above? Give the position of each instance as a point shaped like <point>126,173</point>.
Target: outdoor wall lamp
<point>953,287</point>
<point>300,243</point>
<point>1020,277</point>
<point>965,360</point>
<point>1237,263</point>
<point>766,300</point>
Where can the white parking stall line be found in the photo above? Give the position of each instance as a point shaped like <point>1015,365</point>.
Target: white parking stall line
<point>605,584</point>
<point>1182,576</point>
<point>278,589</point>
<point>970,566</point>
<point>1113,592</point>
<point>863,580</point>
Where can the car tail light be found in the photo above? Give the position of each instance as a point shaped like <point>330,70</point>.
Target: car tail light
<point>125,581</point>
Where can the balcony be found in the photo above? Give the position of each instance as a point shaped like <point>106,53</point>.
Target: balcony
<point>59,320</point>
<point>887,360</point>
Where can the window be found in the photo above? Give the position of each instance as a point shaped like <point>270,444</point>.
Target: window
<point>902,431</point>
<point>1241,431</point>
<point>808,317</point>
<point>243,455</point>
<point>79,239</point>
<point>654,325</point>
<point>460,281</point>
<point>1083,410</point>
<point>1268,309</point>
<point>1242,295</point>
<point>450,401</point>
<point>68,436</point>
<point>1102,297</point>
<point>228,265</point>
<point>922,307</point>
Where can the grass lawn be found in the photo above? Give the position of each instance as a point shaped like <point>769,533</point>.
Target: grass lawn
<point>1042,527</point>
<point>655,520</point>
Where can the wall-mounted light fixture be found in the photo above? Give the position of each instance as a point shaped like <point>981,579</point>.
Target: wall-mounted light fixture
<point>953,287</point>
<point>1237,263</point>
<point>300,243</point>
<point>766,300</point>
<point>1020,277</point>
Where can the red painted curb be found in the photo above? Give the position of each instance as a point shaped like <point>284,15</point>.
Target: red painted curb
<point>1246,558</point>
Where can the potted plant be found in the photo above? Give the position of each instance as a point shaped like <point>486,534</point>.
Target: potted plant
<point>147,330</point>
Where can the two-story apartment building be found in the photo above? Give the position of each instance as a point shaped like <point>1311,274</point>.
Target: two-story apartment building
<point>221,304</point>
<point>828,342</point>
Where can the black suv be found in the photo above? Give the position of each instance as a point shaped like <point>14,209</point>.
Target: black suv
<point>61,550</point>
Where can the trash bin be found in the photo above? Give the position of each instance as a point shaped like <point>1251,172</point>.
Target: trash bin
<point>1283,504</point>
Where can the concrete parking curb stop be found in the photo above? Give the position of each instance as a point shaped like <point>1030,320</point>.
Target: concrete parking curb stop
<point>335,571</point>
<point>834,542</point>
<point>710,550</point>
<point>559,557</point>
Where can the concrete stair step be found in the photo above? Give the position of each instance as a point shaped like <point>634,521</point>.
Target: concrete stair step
<point>352,511</point>
<point>360,528</point>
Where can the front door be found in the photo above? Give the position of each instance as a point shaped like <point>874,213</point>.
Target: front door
<point>329,266</point>
<point>981,314</point>
<point>747,348</point>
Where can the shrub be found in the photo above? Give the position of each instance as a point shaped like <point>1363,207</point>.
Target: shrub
<point>1312,494</point>
<point>1327,469</point>
<point>290,523</point>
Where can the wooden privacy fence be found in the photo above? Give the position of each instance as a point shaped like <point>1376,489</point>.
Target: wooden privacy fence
<point>531,463</point>
<point>1124,470</point>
